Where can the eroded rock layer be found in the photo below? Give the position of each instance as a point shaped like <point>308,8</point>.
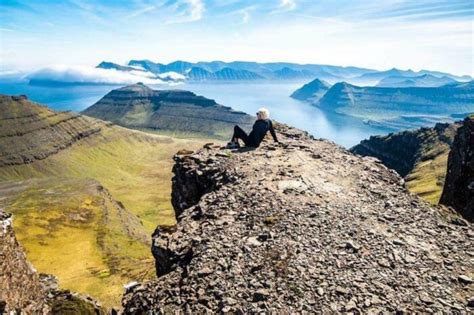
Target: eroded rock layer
<point>303,226</point>
<point>30,132</point>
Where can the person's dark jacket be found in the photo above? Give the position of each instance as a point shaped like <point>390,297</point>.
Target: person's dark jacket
<point>259,130</point>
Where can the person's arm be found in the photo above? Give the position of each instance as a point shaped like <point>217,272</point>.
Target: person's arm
<point>272,131</point>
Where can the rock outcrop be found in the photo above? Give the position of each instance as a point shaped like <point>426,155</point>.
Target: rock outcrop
<point>420,156</point>
<point>20,287</point>
<point>140,107</point>
<point>303,226</point>
<point>458,190</point>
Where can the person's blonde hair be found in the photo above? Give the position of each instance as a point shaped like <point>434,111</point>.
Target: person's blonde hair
<point>263,113</point>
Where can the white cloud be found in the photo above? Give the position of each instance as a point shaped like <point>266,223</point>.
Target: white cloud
<point>194,10</point>
<point>90,75</point>
<point>171,76</point>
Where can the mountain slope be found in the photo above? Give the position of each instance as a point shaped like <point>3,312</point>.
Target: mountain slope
<point>420,156</point>
<point>458,191</point>
<point>140,107</point>
<point>303,227</point>
<point>311,91</point>
<point>86,194</point>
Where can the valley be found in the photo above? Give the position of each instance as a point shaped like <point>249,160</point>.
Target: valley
<point>80,185</point>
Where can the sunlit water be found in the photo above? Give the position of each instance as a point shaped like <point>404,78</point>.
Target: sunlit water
<point>247,97</point>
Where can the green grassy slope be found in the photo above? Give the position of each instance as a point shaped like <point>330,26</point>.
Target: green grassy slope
<point>85,206</point>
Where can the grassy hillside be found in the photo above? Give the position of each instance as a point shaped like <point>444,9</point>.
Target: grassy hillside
<point>85,203</point>
<point>420,156</point>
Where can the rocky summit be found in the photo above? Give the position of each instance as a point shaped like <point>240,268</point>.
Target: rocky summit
<point>140,107</point>
<point>303,226</point>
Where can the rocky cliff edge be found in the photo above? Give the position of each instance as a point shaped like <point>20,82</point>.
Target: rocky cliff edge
<point>303,226</point>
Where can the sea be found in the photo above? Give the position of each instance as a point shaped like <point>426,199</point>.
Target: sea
<point>344,130</point>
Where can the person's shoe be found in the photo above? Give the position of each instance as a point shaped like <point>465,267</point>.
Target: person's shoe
<point>233,145</point>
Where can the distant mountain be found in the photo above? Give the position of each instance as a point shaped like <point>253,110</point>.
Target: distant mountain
<point>419,155</point>
<point>425,80</point>
<point>231,71</point>
<point>287,73</point>
<point>140,107</point>
<point>111,65</point>
<point>230,74</point>
<point>311,91</point>
<point>380,103</point>
<point>243,70</point>
<point>372,78</point>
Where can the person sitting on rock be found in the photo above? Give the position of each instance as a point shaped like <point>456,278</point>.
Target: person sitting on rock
<point>262,125</point>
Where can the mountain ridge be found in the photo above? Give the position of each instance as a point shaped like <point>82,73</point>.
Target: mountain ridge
<point>140,107</point>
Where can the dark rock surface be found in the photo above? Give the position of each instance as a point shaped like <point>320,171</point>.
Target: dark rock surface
<point>304,226</point>
<point>140,107</point>
<point>459,186</point>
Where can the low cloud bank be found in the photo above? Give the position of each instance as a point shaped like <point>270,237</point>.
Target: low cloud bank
<point>90,75</point>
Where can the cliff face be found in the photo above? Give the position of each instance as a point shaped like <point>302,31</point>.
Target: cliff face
<point>420,156</point>
<point>303,226</point>
<point>459,185</point>
<point>140,107</point>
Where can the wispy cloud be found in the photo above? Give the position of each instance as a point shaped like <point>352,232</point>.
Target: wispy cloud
<point>187,11</point>
<point>141,11</point>
<point>285,6</point>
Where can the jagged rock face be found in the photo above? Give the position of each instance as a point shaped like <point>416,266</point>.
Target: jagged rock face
<point>459,186</point>
<point>30,132</point>
<point>138,106</point>
<point>303,226</point>
<point>20,288</point>
<point>419,156</point>
<point>311,91</point>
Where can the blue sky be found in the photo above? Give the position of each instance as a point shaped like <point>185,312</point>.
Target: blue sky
<point>422,34</point>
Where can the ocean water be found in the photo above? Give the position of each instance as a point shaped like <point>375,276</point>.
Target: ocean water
<point>248,97</point>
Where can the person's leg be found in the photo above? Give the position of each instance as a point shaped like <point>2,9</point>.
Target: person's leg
<point>239,133</point>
